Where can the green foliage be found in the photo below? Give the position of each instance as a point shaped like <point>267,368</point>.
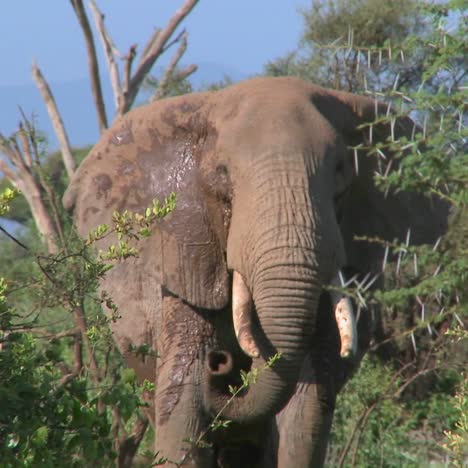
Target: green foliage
<point>7,196</point>
<point>373,22</point>
<point>362,45</point>
<point>44,422</point>
<point>174,86</point>
<point>457,438</point>
<point>65,394</point>
<point>374,426</point>
<point>217,85</point>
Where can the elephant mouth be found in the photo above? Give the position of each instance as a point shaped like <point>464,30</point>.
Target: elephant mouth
<point>261,335</point>
<point>243,312</point>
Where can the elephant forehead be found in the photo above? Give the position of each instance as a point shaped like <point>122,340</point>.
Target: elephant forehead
<point>290,126</point>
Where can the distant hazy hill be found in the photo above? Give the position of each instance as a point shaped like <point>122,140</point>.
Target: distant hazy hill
<point>76,105</point>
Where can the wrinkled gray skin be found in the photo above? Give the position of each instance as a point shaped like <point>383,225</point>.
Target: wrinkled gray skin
<point>267,187</point>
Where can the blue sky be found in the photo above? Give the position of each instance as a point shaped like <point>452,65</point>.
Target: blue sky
<point>240,35</point>
<point>225,37</point>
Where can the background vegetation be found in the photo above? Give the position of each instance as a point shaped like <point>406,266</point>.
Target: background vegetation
<point>64,393</point>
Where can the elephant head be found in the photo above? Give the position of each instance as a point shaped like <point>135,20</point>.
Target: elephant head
<point>269,200</point>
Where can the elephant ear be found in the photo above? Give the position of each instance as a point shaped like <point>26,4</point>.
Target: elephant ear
<point>148,154</point>
<point>366,211</point>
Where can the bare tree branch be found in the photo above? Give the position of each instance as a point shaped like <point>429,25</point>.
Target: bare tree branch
<point>24,179</point>
<point>149,45</point>
<point>77,360</point>
<point>110,52</point>
<point>158,47</point>
<point>56,119</point>
<point>11,176</point>
<point>13,238</point>
<point>127,73</point>
<point>92,63</point>
<point>169,72</point>
<point>7,146</point>
<point>25,145</point>
<point>80,320</point>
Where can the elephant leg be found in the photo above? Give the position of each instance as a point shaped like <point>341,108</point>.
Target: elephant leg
<point>302,429</point>
<point>183,336</point>
<point>300,434</point>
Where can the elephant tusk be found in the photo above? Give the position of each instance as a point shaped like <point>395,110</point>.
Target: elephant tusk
<point>345,320</point>
<point>242,306</point>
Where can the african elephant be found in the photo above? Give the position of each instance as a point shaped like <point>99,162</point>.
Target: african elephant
<point>269,201</point>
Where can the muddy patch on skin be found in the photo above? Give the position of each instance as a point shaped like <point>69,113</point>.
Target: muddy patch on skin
<point>103,184</point>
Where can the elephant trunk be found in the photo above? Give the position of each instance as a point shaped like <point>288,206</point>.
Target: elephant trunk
<point>285,299</point>
<point>281,264</point>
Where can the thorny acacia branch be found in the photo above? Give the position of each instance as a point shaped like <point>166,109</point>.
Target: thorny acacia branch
<point>127,86</point>
<point>158,47</point>
<point>170,69</point>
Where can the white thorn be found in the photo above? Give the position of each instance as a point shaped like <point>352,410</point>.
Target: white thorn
<point>379,167</point>
<point>398,262</point>
<point>361,299</point>
<point>381,154</point>
<point>408,234</point>
<point>389,109</point>
<point>387,169</point>
<point>415,262</point>
<point>413,341</point>
<point>356,162</point>
<point>353,279</point>
<point>436,244</point>
<point>360,285</point>
<point>392,128</point>
<point>396,81</point>
<point>371,282</point>
<point>384,263</point>
<point>437,270</point>
<point>459,320</point>
<point>342,281</point>
<point>407,98</point>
